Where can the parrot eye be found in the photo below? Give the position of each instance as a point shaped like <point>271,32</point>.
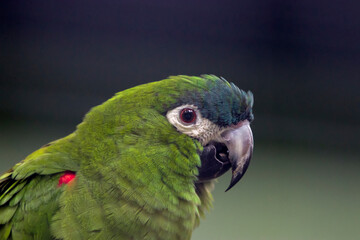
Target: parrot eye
<point>188,115</point>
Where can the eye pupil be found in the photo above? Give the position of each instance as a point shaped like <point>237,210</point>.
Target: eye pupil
<point>188,115</point>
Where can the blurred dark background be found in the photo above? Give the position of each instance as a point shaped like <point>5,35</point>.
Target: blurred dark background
<point>301,59</point>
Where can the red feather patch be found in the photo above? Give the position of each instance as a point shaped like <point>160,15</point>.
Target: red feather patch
<point>66,178</point>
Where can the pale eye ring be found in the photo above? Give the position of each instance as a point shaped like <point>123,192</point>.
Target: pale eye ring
<point>188,115</point>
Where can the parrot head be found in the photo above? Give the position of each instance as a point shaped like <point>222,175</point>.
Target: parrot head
<point>218,114</point>
<point>206,118</point>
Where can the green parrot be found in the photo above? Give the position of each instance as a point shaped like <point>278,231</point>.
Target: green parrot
<point>139,166</point>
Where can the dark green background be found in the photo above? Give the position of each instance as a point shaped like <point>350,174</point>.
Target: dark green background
<point>301,59</point>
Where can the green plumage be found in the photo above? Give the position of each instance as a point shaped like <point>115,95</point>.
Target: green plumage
<point>135,172</point>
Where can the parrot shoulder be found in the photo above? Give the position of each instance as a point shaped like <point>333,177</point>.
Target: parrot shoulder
<point>29,190</point>
<point>57,156</point>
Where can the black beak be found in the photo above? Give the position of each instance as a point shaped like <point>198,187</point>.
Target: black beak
<point>233,150</point>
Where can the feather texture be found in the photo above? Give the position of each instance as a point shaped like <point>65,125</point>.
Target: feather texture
<point>135,173</point>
